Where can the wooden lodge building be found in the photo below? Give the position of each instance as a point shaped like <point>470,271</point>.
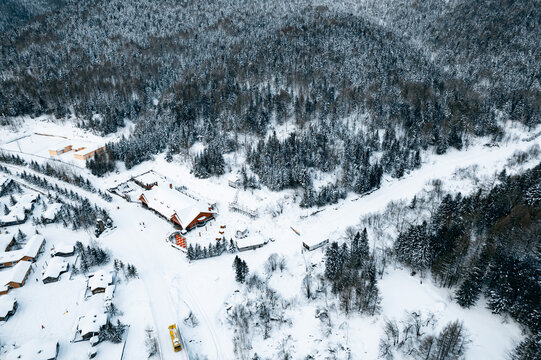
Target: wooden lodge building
<point>182,210</point>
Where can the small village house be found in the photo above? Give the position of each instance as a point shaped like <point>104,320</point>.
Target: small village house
<point>55,268</point>
<point>91,324</point>
<point>98,282</point>
<point>148,180</point>
<point>63,250</point>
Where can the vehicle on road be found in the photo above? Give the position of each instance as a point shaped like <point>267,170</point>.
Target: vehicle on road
<point>175,337</point>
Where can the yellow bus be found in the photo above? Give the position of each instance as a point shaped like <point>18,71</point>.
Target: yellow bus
<point>175,337</point>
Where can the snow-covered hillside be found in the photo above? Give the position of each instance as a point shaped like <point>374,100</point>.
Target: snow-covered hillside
<point>169,287</point>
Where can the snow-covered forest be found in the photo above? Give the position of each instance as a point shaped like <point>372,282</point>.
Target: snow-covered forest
<point>333,74</point>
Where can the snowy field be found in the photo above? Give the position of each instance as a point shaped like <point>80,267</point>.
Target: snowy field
<point>169,286</point>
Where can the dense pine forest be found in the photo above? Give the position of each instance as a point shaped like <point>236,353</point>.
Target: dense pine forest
<point>365,87</point>
<point>486,244</point>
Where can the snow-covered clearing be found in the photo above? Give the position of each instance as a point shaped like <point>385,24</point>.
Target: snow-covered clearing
<point>170,286</point>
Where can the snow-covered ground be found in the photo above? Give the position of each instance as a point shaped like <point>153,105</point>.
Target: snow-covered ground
<point>170,287</point>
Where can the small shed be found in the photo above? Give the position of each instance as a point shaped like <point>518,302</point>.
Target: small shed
<point>313,244</point>
<point>250,243</point>
<point>50,215</point>
<point>234,181</point>
<point>148,180</point>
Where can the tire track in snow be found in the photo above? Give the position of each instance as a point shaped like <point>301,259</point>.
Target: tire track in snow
<point>193,305</point>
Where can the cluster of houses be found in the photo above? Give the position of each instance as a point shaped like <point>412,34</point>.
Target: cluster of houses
<point>81,151</point>
<point>95,318</point>
<point>18,213</point>
<point>17,264</point>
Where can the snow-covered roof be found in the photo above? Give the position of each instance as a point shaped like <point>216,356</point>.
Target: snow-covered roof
<point>17,211</point>
<point>91,323</point>
<point>51,211</point>
<point>27,199</point>
<point>100,280</point>
<point>38,349</point>
<point>31,249</point>
<point>15,274</point>
<point>168,202</point>
<point>150,178</point>
<point>5,240</point>
<point>7,303</point>
<point>63,248</point>
<point>55,268</point>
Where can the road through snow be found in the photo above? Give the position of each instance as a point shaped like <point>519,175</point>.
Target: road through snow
<point>163,271</point>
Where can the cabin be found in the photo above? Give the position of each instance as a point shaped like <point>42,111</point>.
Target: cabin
<point>63,250</point>
<point>183,210</point>
<point>30,252</point>
<point>8,307</point>
<point>250,243</point>
<point>91,324</point>
<point>98,282</point>
<point>50,215</point>
<point>56,267</point>
<point>18,212</point>
<point>311,245</point>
